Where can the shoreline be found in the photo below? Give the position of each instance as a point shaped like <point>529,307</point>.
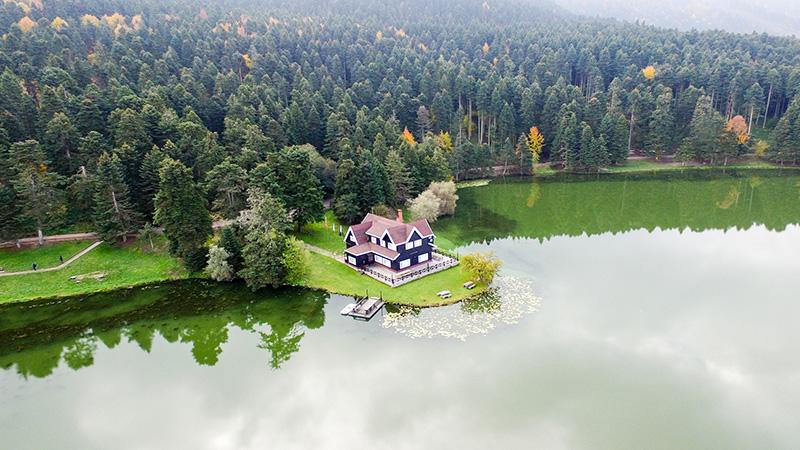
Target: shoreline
<point>358,286</point>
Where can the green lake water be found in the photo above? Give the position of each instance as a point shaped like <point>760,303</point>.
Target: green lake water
<point>632,312</point>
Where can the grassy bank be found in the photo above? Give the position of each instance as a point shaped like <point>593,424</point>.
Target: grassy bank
<point>17,260</point>
<point>646,165</point>
<point>335,277</point>
<point>126,266</point>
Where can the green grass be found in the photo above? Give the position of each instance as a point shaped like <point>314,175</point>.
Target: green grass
<point>16,260</point>
<point>318,235</point>
<point>333,276</point>
<point>639,165</point>
<point>126,266</point>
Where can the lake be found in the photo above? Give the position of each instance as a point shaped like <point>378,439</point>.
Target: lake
<point>632,312</point>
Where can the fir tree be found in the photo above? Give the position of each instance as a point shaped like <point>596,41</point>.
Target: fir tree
<point>114,217</point>
<point>181,212</point>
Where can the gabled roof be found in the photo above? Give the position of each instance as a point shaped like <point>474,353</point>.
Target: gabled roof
<point>369,247</point>
<point>399,232</point>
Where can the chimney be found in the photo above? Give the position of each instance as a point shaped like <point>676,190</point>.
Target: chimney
<point>399,215</point>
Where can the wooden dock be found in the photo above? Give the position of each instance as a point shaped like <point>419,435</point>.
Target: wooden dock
<point>365,309</point>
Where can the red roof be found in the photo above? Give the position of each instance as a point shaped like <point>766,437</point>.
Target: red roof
<point>399,232</point>
<point>369,247</point>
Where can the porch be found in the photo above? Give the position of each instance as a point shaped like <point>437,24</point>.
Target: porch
<point>392,278</point>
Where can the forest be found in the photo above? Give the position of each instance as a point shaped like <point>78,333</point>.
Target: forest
<point>117,114</point>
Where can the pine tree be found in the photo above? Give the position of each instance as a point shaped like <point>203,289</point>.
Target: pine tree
<point>61,143</point>
<point>705,131</point>
<point>181,212</point>
<point>787,135</point>
<point>523,153</point>
<point>227,181</point>
<point>662,120</point>
<point>295,183</point>
<point>400,181</point>
<point>424,124</point>
<point>114,216</point>
<point>36,187</point>
<point>614,127</point>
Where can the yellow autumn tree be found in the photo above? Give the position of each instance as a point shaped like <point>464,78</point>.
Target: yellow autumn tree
<point>114,20</point>
<point>88,19</point>
<point>408,137</point>
<point>445,141</point>
<point>26,24</point>
<point>485,48</point>
<point>58,23</point>
<point>536,145</point>
<point>649,72</point>
<point>378,36</point>
<point>247,61</point>
<point>738,126</point>
<point>761,148</point>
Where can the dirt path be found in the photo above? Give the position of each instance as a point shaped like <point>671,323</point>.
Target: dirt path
<point>58,267</point>
<point>322,251</point>
<point>31,241</point>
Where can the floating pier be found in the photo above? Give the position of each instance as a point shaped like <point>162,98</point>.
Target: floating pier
<point>365,309</point>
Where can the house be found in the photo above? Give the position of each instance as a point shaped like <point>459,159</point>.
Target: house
<point>390,243</point>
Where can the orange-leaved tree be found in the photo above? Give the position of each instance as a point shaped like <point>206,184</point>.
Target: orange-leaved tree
<point>649,72</point>
<point>738,126</point>
<point>408,137</point>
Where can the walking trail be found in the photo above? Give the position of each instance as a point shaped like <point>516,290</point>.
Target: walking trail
<point>53,269</point>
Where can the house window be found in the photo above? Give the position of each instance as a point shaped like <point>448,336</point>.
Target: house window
<point>423,257</point>
<point>382,261</point>
<point>405,263</point>
<point>392,246</point>
<point>374,240</point>
<point>351,260</point>
<point>418,243</point>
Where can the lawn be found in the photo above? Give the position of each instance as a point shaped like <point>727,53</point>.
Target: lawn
<point>334,276</point>
<point>16,260</point>
<point>641,165</point>
<point>123,266</point>
<point>323,235</point>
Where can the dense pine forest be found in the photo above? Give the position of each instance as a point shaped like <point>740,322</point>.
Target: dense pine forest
<point>115,114</point>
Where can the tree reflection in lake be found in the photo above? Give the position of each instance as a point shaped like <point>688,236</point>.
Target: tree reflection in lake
<point>36,336</point>
<point>542,208</point>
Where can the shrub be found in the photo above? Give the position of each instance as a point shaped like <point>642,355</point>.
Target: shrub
<point>218,267</point>
<point>481,266</point>
<point>445,191</point>
<point>425,206</point>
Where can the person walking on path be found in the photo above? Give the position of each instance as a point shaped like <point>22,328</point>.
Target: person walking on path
<point>61,258</point>
<point>34,266</point>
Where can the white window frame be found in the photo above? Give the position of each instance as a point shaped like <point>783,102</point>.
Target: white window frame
<point>383,261</point>
<point>418,243</point>
<point>405,263</point>
<point>422,258</point>
<point>351,260</point>
<point>391,246</point>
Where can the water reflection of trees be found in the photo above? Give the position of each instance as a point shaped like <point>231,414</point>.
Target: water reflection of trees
<point>574,206</point>
<point>36,337</point>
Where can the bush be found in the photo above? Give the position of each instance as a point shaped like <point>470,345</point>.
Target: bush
<point>445,191</point>
<point>218,267</point>
<point>481,266</point>
<point>296,262</point>
<point>425,206</point>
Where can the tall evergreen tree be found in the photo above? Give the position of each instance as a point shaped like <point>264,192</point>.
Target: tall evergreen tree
<point>36,187</point>
<point>181,212</point>
<point>705,131</point>
<point>114,217</point>
<point>659,138</point>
